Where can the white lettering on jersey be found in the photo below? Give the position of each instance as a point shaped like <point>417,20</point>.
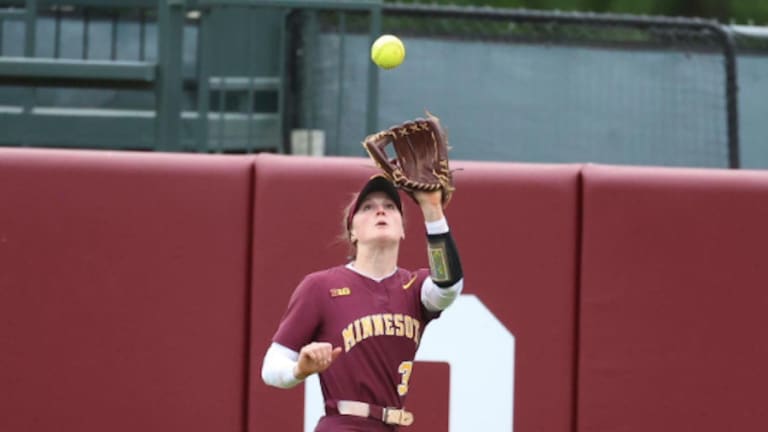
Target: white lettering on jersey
<point>481,353</point>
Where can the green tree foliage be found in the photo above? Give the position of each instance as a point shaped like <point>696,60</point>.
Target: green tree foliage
<point>738,11</point>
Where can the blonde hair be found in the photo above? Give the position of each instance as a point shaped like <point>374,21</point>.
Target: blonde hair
<point>346,235</point>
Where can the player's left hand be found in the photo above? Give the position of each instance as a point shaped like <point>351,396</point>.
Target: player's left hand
<point>431,204</point>
<point>428,198</point>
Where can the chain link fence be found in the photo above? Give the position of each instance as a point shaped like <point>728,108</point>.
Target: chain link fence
<point>509,85</point>
<point>530,86</point>
<point>752,49</point>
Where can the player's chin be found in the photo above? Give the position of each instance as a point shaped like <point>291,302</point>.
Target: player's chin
<point>387,238</point>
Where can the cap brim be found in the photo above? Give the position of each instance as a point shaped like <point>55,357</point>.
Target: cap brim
<point>379,183</point>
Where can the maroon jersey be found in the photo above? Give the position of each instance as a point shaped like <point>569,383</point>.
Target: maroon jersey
<point>378,325</point>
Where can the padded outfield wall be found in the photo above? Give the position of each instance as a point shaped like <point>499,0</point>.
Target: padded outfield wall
<point>139,292</point>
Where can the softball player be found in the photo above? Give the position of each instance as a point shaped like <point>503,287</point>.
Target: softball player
<point>359,325</point>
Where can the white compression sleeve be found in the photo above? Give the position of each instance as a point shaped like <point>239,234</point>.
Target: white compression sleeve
<point>433,297</point>
<point>437,227</point>
<point>277,369</point>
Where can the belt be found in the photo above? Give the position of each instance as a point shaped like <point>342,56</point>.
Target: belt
<point>388,415</point>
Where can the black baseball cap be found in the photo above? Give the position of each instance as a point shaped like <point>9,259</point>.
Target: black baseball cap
<point>377,183</point>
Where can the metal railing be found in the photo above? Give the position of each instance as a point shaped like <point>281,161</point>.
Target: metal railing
<point>163,74</point>
<point>32,71</point>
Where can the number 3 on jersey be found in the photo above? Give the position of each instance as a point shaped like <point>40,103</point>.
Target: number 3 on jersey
<point>405,370</point>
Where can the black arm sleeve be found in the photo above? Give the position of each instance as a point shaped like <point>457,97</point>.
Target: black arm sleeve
<point>444,262</point>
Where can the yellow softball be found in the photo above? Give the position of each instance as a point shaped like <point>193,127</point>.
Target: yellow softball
<point>388,51</point>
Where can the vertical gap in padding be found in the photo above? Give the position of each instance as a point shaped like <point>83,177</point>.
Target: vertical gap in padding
<point>577,294</point>
<point>251,190</point>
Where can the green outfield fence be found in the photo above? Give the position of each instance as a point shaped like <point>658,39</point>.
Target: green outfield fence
<point>533,86</point>
<point>246,76</point>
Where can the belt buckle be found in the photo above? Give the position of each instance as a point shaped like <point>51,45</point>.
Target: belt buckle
<point>398,417</point>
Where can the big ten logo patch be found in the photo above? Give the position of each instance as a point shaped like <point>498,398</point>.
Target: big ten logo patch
<point>463,377</point>
<point>338,292</point>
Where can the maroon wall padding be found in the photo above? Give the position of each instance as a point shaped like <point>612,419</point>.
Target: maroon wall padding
<point>123,287</point>
<point>516,227</point>
<point>673,300</point>
<point>429,393</point>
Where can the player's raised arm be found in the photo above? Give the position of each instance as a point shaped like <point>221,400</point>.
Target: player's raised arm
<point>446,275</point>
<point>421,168</point>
